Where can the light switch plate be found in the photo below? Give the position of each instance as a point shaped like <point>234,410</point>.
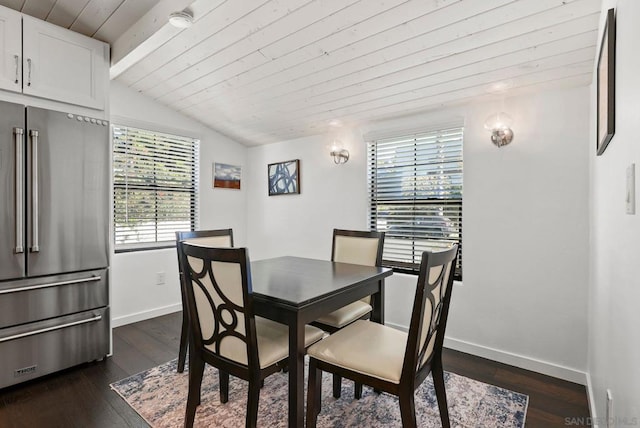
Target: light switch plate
<point>631,189</point>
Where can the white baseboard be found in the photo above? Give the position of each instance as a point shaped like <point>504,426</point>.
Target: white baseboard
<point>500,356</point>
<point>397,326</point>
<point>145,315</point>
<point>521,361</point>
<point>592,402</point>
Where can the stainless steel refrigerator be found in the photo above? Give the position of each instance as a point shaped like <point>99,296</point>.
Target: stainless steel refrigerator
<point>54,252</point>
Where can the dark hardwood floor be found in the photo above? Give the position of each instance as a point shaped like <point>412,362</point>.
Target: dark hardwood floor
<point>81,397</point>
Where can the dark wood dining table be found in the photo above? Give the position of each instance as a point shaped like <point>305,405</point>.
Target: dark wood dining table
<point>296,291</point>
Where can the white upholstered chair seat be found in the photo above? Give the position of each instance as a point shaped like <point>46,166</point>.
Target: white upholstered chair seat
<point>389,360</point>
<point>273,340</point>
<point>346,314</point>
<point>359,248</point>
<point>365,347</point>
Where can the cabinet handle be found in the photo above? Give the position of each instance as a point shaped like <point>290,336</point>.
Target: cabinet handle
<point>28,71</point>
<point>35,246</point>
<point>17,58</point>
<point>18,133</point>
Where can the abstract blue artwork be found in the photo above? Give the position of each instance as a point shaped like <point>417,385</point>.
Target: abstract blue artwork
<point>284,177</point>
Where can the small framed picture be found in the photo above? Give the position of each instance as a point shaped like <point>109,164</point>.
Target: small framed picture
<point>284,177</point>
<point>226,176</point>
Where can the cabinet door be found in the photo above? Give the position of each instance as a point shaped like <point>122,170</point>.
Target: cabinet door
<point>62,65</point>
<point>10,50</point>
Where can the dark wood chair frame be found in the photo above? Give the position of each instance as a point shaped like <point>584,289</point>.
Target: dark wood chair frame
<point>184,333</point>
<point>199,354</point>
<point>337,379</point>
<point>413,374</point>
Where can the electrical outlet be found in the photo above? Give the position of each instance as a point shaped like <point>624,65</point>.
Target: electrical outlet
<point>610,417</point>
<point>160,278</point>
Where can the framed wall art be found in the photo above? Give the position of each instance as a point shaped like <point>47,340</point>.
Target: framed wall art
<point>226,176</point>
<point>284,177</point>
<point>606,85</point>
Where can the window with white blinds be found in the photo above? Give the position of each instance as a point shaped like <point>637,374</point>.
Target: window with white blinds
<point>415,188</point>
<point>155,187</point>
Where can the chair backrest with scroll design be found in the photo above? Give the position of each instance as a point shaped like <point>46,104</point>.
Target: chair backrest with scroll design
<point>430,311</point>
<point>217,284</point>
<point>211,238</point>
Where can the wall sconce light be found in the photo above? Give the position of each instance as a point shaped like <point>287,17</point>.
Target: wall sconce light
<point>340,155</point>
<point>500,126</point>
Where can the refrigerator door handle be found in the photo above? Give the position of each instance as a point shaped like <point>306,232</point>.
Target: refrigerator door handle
<point>93,278</point>
<point>18,133</point>
<point>35,215</point>
<point>47,329</point>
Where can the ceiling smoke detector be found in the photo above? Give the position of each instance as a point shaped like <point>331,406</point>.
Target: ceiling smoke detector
<point>182,19</point>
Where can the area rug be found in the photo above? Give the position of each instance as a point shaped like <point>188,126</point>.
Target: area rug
<point>159,395</point>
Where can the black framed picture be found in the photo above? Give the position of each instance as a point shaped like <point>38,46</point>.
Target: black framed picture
<point>606,85</point>
<point>284,177</point>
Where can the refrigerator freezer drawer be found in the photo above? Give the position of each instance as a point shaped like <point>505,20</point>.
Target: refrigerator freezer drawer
<point>33,350</point>
<point>35,299</point>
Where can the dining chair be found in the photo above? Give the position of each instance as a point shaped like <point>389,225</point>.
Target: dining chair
<point>223,331</point>
<point>388,359</point>
<point>361,248</point>
<point>211,238</point>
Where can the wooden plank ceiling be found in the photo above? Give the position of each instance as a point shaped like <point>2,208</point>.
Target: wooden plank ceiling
<point>263,71</point>
<point>101,19</point>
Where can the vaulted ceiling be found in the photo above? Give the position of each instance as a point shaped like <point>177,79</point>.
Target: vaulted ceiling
<point>104,20</point>
<point>262,71</point>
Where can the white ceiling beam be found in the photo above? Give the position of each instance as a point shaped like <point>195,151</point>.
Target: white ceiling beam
<point>149,33</point>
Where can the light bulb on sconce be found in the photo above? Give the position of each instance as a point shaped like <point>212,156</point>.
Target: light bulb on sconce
<point>340,155</point>
<point>500,126</point>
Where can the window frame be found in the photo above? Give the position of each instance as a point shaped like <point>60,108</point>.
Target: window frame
<point>156,131</point>
<point>375,200</point>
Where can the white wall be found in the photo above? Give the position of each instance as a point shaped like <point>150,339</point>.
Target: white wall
<point>524,298</point>
<point>614,344</point>
<point>134,293</point>
<point>526,235</point>
<point>331,196</point>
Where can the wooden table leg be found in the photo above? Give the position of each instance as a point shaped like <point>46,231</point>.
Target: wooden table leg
<point>377,315</point>
<point>296,373</point>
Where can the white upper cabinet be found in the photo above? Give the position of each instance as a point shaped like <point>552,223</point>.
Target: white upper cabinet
<point>43,60</point>
<point>61,65</point>
<point>10,50</point>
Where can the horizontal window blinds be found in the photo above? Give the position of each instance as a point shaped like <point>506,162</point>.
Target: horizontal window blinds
<point>415,194</point>
<point>155,180</point>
